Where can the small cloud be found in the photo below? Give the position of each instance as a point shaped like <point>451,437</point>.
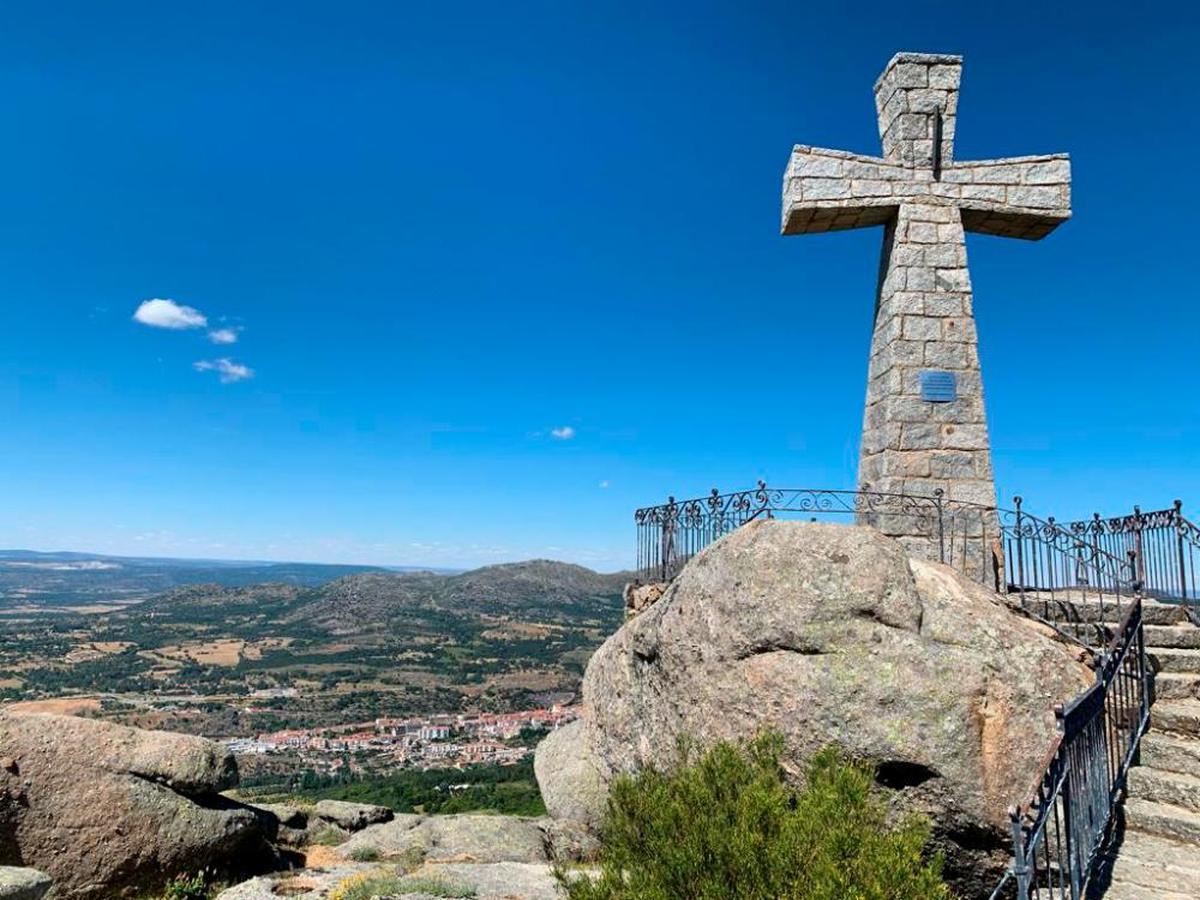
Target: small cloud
<point>604,484</point>
<point>227,370</point>
<point>563,433</point>
<point>169,314</point>
<point>223,335</point>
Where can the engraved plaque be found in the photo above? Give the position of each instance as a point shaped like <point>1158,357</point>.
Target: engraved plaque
<point>938,387</point>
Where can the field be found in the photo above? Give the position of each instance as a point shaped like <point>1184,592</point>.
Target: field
<point>228,661</point>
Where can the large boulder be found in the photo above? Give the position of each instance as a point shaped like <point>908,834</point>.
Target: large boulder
<point>457,838</point>
<point>107,810</point>
<point>351,816</point>
<point>570,775</point>
<point>22,884</point>
<point>830,635</point>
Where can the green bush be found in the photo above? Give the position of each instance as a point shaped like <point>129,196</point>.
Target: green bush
<point>725,826</point>
<point>384,883</point>
<point>364,853</point>
<point>181,887</point>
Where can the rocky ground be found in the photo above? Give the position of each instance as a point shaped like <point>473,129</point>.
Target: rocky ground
<point>487,857</point>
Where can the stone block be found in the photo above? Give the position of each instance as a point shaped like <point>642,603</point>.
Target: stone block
<point>970,384</point>
<point>883,384</point>
<point>964,437</point>
<point>951,465</point>
<point>991,192</point>
<point>907,409</point>
<point>908,353</point>
<point>918,278</point>
<point>889,436</point>
<point>1038,197</point>
<point>1055,171</point>
<point>980,492</point>
<point>920,436</point>
<point>911,303</point>
<point>913,127</point>
<point>952,279</point>
<point>928,100</point>
<point>906,464</point>
<point>908,255</point>
<point>952,255</point>
<point>943,305</point>
<point>824,188</point>
<point>923,232</point>
<point>942,355</point>
<point>870,188</point>
<point>958,328</point>
<point>946,77</point>
<point>1000,174</point>
<point>813,166</point>
<point>922,151</point>
<point>964,411</point>
<point>922,328</point>
<point>910,75</point>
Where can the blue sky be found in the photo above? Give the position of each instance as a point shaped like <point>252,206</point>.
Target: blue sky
<point>441,232</point>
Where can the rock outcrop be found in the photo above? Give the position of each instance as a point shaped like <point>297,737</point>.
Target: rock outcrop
<point>18,883</point>
<point>829,635</point>
<point>351,816</point>
<point>470,838</point>
<point>106,810</point>
<point>490,857</point>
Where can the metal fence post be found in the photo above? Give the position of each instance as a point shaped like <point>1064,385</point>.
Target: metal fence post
<point>1020,551</point>
<point>1178,519</point>
<point>937,499</point>
<point>1020,868</point>
<point>1139,573</point>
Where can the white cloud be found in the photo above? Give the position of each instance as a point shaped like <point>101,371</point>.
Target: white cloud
<point>227,370</point>
<point>604,483</point>
<point>563,433</point>
<point>169,314</point>
<point>223,335</point>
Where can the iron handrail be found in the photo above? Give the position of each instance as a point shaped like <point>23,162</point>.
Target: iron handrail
<point>1080,784</point>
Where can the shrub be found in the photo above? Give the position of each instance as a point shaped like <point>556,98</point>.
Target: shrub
<point>385,883</point>
<point>327,835</point>
<point>181,887</point>
<point>725,824</point>
<point>364,853</point>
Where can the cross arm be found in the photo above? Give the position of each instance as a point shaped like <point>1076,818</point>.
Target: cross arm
<point>830,190</point>
<point>1023,197</point>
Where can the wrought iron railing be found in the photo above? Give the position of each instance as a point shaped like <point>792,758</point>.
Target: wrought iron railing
<point>1055,574</point>
<point>949,531</point>
<point>1165,542</point>
<point>1060,833</point>
<point>1060,577</point>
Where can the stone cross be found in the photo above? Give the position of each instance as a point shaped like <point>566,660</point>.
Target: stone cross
<point>924,427</point>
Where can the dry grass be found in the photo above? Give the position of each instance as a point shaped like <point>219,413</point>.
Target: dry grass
<point>63,706</point>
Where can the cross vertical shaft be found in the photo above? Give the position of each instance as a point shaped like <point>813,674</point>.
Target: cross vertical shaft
<point>924,423</point>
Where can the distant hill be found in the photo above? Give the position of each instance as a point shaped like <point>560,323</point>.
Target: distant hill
<point>30,577</point>
<point>537,589</point>
<point>365,644</point>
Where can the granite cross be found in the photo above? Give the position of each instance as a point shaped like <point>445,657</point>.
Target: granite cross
<point>924,426</point>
